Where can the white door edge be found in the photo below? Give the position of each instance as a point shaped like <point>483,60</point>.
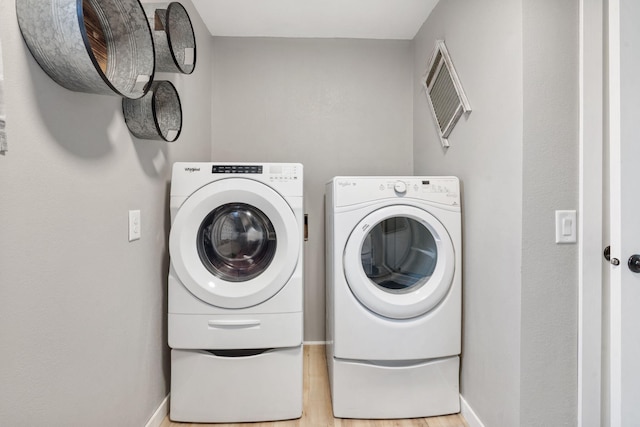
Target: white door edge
<point>614,346</point>
<point>590,207</point>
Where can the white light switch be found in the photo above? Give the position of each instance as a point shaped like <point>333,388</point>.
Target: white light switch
<point>134,225</point>
<point>566,227</point>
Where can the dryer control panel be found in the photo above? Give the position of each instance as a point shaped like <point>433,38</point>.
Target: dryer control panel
<point>353,190</point>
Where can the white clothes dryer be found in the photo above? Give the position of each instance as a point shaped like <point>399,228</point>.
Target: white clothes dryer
<point>235,294</point>
<point>393,296</point>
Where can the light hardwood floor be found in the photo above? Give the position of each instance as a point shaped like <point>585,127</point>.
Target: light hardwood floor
<point>317,404</point>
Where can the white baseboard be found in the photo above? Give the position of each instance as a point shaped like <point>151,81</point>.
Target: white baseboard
<point>468,414</point>
<point>158,416</point>
<point>315,343</point>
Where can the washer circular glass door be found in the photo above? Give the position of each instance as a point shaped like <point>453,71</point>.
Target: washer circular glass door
<point>234,243</point>
<point>399,261</point>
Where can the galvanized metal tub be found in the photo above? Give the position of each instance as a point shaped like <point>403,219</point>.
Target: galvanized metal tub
<point>157,115</point>
<point>93,46</point>
<point>173,36</point>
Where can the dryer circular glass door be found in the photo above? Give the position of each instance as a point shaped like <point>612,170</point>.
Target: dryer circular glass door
<point>234,243</point>
<point>399,261</point>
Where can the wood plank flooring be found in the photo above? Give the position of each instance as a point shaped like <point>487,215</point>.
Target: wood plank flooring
<point>317,405</point>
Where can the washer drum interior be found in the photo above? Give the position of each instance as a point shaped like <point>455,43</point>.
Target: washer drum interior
<point>173,36</point>
<point>157,115</point>
<point>94,46</point>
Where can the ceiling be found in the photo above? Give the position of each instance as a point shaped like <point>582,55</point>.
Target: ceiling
<point>362,19</point>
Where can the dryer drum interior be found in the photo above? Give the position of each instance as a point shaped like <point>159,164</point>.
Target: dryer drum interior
<point>399,255</point>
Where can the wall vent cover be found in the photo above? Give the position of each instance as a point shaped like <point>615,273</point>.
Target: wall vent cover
<point>445,94</point>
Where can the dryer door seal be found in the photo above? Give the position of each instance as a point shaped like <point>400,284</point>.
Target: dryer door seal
<point>233,199</point>
<point>399,262</point>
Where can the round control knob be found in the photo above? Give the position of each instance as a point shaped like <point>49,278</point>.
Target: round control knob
<point>400,187</point>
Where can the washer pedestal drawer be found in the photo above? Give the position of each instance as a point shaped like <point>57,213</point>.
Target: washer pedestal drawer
<point>396,390</point>
<point>231,331</point>
<point>206,388</point>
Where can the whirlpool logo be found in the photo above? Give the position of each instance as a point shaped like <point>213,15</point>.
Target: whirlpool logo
<point>192,170</point>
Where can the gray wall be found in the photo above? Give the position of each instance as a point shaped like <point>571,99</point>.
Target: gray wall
<point>82,310</point>
<point>340,107</point>
<point>485,42</point>
<point>516,155</point>
<point>550,181</point>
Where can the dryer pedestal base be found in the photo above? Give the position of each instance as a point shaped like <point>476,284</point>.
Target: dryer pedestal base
<point>206,388</point>
<point>394,390</point>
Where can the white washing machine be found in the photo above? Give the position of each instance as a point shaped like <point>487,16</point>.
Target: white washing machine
<point>393,296</point>
<point>235,299</point>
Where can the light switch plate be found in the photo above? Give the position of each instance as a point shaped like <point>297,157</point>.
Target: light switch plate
<point>566,227</point>
<point>134,225</point>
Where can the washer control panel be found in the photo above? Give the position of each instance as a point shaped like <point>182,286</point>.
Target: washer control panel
<point>273,172</point>
<point>236,169</point>
<point>283,172</point>
<point>285,178</point>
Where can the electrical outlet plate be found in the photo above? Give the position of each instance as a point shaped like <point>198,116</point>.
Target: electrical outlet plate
<point>134,225</point>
